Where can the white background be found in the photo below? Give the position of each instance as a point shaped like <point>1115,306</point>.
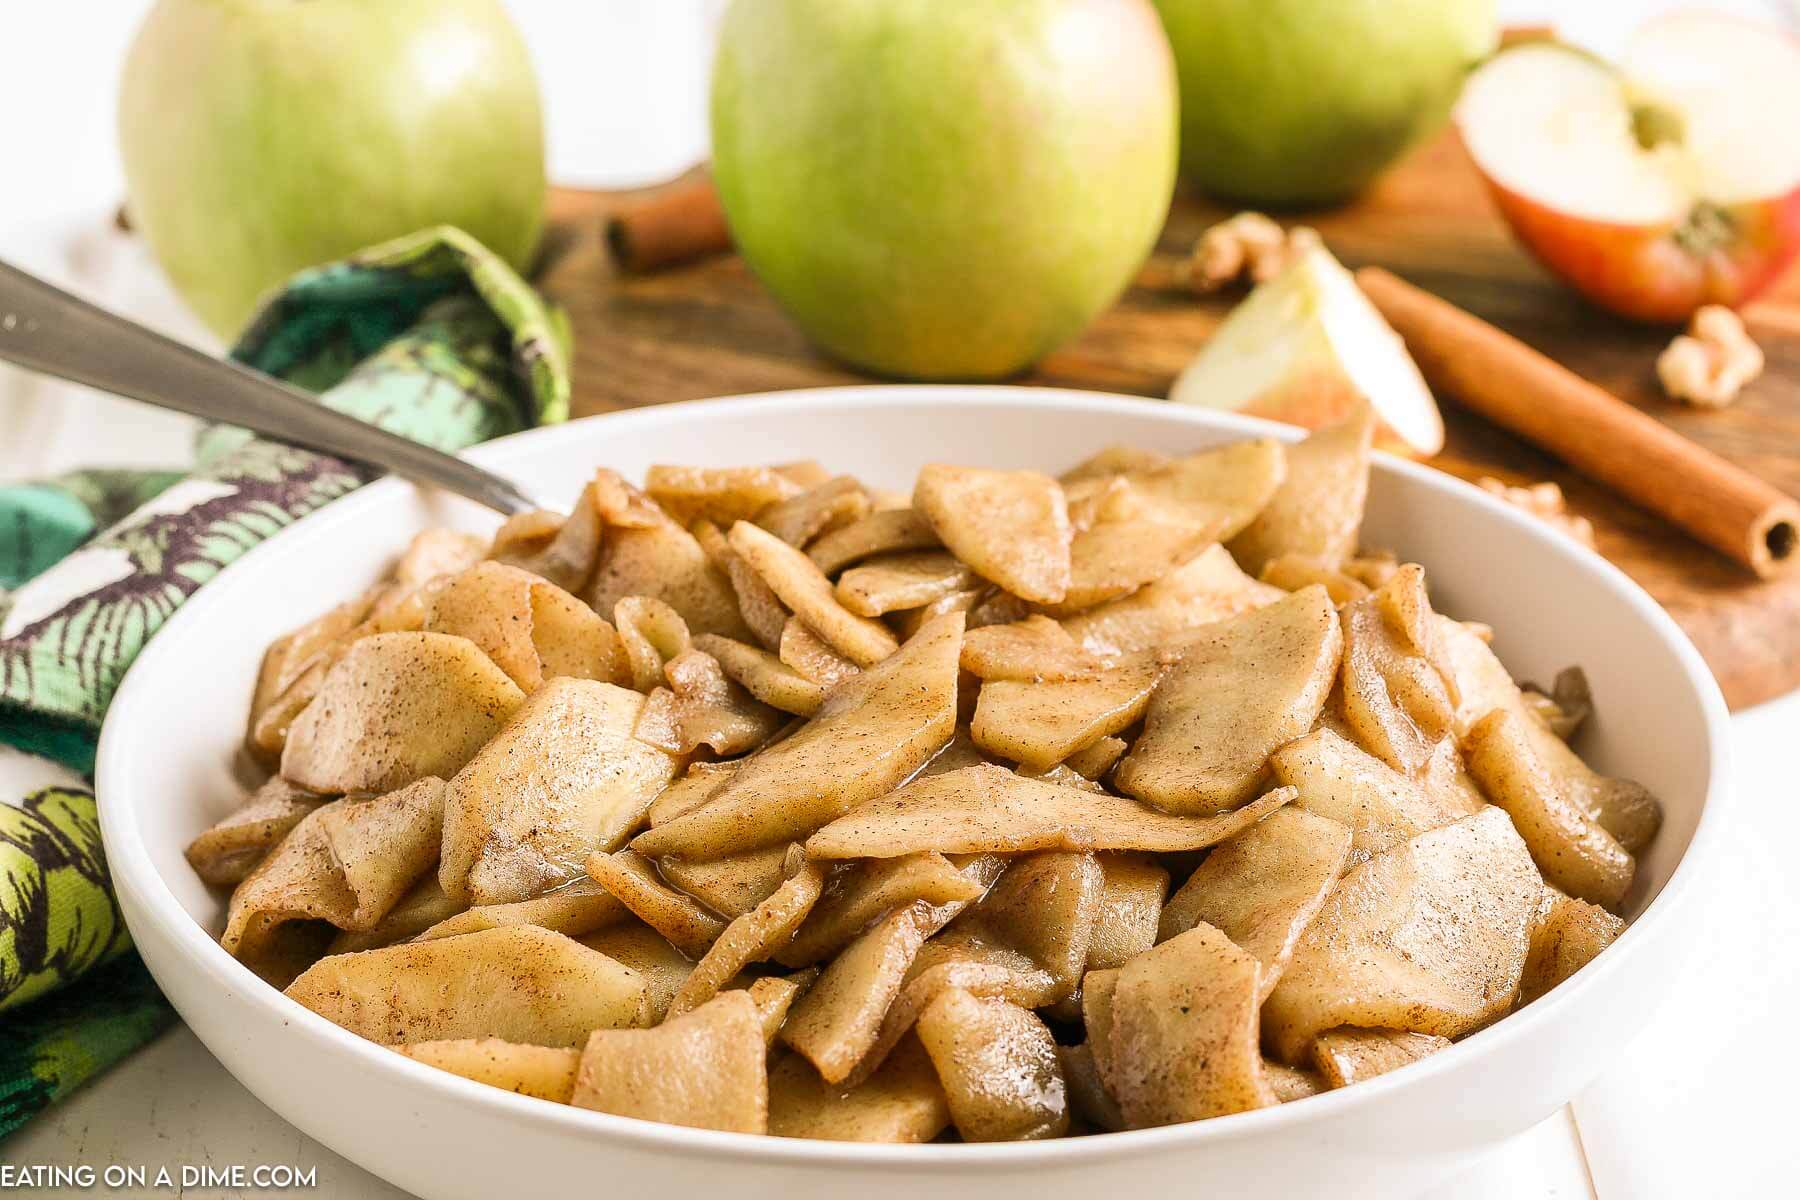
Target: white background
<point>1703,1105</point>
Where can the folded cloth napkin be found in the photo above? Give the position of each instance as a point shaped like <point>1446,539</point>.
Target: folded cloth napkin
<point>429,336</point>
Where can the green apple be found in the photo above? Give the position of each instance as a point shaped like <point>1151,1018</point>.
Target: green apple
<point>1288,103</point>
<point>263,136</point>
<point>944,190</point>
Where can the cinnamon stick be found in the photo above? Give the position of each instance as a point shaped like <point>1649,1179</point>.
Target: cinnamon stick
<point>677,225</point>
<point>1606,439</point>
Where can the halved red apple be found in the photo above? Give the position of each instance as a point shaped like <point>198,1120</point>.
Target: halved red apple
<point>1655,185</point>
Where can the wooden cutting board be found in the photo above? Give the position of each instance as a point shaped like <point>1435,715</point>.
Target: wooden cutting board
<point>708,329</point>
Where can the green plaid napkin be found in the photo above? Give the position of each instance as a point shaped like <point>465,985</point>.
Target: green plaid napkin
<point>430,336</point>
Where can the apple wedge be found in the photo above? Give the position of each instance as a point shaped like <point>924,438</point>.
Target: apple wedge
<point>1308,348</point>
<point>871,733</point>
<point>1657,184</point>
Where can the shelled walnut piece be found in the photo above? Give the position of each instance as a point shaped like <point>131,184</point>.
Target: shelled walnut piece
<point>1544,501</point>
<point>815,828</point>
<point>1712,362</point>
<point>1246,244</point>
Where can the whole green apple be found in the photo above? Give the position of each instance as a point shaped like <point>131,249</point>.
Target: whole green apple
<point>263,136</point>
<point>944,190</point>
<point>1287,103</point>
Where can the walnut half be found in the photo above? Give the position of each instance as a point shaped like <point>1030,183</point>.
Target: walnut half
<point>1712,362</point>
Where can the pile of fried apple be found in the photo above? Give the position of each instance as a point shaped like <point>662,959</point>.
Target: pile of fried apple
<point>762,800</point>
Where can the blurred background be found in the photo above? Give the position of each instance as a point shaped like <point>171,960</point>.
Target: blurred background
<point>624,85</point>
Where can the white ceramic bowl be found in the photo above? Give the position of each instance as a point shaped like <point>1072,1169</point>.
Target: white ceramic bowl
<point>167,759</point>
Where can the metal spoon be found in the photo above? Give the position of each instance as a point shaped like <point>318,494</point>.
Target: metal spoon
<point>45,329</point>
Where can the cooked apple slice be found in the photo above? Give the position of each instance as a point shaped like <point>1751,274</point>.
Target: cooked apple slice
<point>1572,850</point>
<point>1346,1056</point>
<point>887,531</point>
<point>1183,1038</point>
<point>803,588</point>
<point>563,779</point>
<point>718,494</point>
<point>1088,1097</point>
<point>730,886</point>
<point>398,707</point>
<point>989,970</point>
<point>1337,779</point>
<point>1010,527</point>
<point>576,908</point>
<point>760,607</point>
<point>898,581</point>
<point>1113,460</point>
<point>643,552</point>
<point>703,707</point>
<point>658,963</point>
<point>1033,650</point>
<point>1131,906</point>
<point>1428,937</point>
<point>1118,554</point>
<point>1209,588</point>
<point>753,937</point>
<point>764,675</point>
<point>1221,489</point>
<point>803,650</point>
<point>558,548</point>
<point>650,634</point>
<point>1136,527</point>
<point>424,906</point>
<point>547,1072</point>
<point>1243,688</point>
<point>839,1018</point>
<point>1291,572</point>
<point>1093,762</point>
<point>1291,1083</point>
<point>854,901</point>
<point>230,850</point>
<point>531,628</point>
<point>987,809</point>
<point>1262,888</point>
<point>291,669</point>
<point>774,996</point>
<point>1399,687</point>
<point>901,1102</point>
<point>1567,939</point>
<point>1040,724</point>
<point>833,504</point>
<point>1046,908</point>
<point>1623,807</point>
<point>1097,989</point>
<point>632,878</point>
<point>1653,185</point>
<point>1317,511</point>
<point>873,731</point>
<point>519,983</point>
<point>999,1068</point>
<point>347,862</point>
<point>689,791</point>
<point>1308,348</point>
<point>705,1069</point>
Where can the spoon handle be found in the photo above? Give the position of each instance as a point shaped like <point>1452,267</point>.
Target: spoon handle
<point>45,329</point>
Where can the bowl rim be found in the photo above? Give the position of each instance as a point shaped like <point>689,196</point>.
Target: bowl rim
<point>136,876</point>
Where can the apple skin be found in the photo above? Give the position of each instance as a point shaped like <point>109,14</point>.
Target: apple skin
<point>944,191</point>
<point>262,137</point>
<point>1301,103</point>
<point>1644,272</point>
